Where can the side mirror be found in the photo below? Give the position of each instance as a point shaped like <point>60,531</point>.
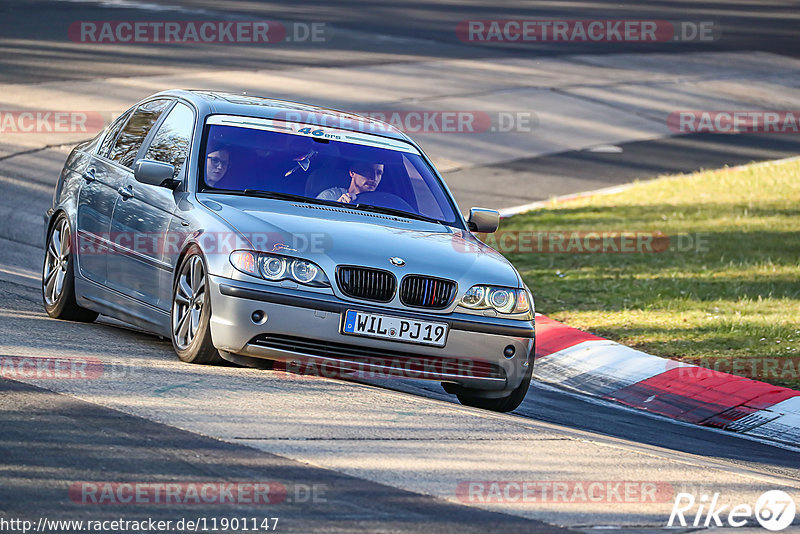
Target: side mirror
<point>483,220</point>
<point>155,173</point>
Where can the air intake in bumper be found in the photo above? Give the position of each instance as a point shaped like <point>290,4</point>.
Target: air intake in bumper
<point>380,362</point>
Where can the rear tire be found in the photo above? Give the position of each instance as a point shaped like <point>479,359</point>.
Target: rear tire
<point>191,312</point>
<point>58,276</point>
<point>502,404</point>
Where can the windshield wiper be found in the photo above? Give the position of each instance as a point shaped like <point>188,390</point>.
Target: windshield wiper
<point>395,211</point>
<point>287,196</point>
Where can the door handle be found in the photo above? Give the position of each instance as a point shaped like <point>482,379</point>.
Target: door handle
<point>89,176</point>
<point>125,192</point>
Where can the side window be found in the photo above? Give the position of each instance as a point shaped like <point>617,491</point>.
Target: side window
<point>171,142</point>
<point>111,134</point>
<point>130,139</point>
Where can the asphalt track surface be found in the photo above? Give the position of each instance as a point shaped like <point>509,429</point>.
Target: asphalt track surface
<point>35,47</point>
<point>53,436</point>
<point>362,31</point>
<point>49,441</point>
<point>85,442</point>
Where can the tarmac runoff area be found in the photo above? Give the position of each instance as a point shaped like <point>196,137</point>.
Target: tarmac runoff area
<point>505,132</point>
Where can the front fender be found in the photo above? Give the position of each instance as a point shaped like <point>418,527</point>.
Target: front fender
<point>197,224</point>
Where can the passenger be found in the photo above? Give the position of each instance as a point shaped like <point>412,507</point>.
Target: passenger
<point>217,162</point>
<point>364,177</point>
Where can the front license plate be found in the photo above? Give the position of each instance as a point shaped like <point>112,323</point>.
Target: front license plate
<point>395,328</point>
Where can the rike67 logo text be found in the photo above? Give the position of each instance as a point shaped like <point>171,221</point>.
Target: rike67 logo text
<point>774,510</point>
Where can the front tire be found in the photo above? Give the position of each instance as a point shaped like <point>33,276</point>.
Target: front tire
<point>58,276</point>
<point>191,312</point>
<point>502,404</point>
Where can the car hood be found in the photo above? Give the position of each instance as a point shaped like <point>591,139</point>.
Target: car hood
<point>331,236</point>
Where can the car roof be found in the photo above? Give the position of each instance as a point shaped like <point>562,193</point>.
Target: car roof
<point>220,102</point>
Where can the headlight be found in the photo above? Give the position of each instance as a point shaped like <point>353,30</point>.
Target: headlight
<point>501,299</point>
<point>275,268</point>
<point>304,271</point>
<point>245,261</point>
<point>474,298</point>
<point>524,301</point>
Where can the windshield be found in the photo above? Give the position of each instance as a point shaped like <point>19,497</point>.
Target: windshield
<point>287,160</point>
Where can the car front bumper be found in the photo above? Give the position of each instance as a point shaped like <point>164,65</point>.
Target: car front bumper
<point>302,326</point>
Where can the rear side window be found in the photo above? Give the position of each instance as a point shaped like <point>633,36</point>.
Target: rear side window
<point>132,136</point>
<point>171,142</point>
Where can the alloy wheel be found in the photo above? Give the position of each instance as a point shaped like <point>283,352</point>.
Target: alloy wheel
<point>188,302</point>
<point>56,262</point>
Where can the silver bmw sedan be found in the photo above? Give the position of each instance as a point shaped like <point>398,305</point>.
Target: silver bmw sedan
<point>282,235</point>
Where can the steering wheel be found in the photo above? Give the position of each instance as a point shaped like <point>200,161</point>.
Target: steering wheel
<point>384,200</point>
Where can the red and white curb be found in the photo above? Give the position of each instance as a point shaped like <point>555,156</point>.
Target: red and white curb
<point>602,368</point>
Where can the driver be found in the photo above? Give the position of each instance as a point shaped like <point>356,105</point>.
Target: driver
<point>364,177</point>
